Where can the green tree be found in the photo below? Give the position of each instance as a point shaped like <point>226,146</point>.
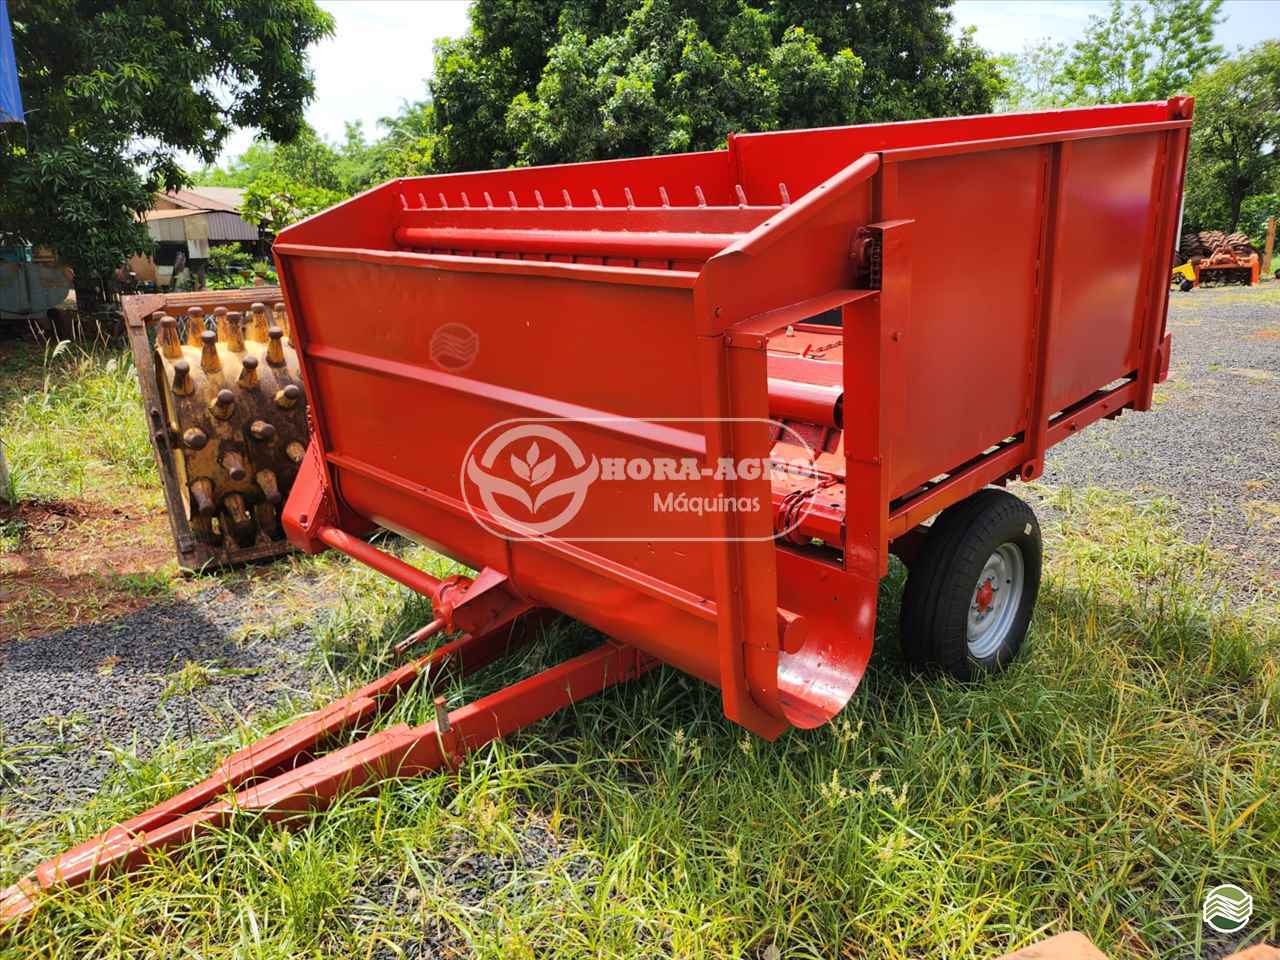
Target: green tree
<point>1032,77</point>
<point>1142,51</point>
<point>540,82</point>
<point>113,92</point>
<point>1234,137</point>
<point>408,144</point>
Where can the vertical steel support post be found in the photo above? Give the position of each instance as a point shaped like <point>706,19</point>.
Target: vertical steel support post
<point>1165,197</point>
<point>1048,293</point>
<point>877,332</point>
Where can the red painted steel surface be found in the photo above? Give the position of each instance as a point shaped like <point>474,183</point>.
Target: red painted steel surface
<point>657,308</point>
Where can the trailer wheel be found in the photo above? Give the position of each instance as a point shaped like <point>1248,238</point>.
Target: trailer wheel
<point>970,595</point>
<point>1186,285</point>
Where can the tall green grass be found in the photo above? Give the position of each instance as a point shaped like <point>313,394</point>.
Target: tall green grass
<point>1126,763</point>
<point>73,425</point>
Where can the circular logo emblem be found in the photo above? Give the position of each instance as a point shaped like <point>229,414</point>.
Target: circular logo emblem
<point>531,452</point>
<point>454,346</point>
<point>1227,908</point>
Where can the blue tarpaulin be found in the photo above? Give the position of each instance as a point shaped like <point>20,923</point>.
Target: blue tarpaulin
<point>10,95</point>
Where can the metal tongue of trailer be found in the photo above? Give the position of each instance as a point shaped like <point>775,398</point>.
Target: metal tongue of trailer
<point>603,387</point>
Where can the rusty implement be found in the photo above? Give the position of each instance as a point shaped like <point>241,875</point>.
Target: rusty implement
<point>696,402</point>
<point>224,400</point>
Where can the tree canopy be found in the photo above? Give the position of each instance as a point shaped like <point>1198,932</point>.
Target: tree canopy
<point>1234,140</point>
<point>1137,51</point>
<point>113,93</point>
<point>561,80</point>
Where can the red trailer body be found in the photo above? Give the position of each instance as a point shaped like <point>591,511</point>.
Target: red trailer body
<point>657,302</point>
<point>506,366</point>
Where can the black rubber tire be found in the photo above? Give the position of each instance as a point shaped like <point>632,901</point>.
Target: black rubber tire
<point>940,585</point>
<point>1186,286</point>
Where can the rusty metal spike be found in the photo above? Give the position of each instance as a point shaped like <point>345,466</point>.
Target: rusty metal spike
<point>465,201</point>
<point>296,451</point>
<point>183,385</point>
<point>280,317</point>
<point>443,202</point>
<point>742,194</point>
<point>595,195</point>
<point>195,438</point>
<point>195,325</point>
<point>248,378</point>
<point>268,519</point>
<point>209,360</point>
<point>262,431</point>
<point>222,404</point>
<point>423,200</point>
<point>511,195</point>
<point>270,488</point>
<point>786,197</point>
<point>565,193</point>
<point>275,348</point>
<point>662,195</point>
<point>167,336</point>
<point>202,497</point>
<point>257,325</point>
<point>697,192</point>
<point>404,204</point>
<point>233,463</point>
<point>488,200</point>
<point>537,196</point>
<point>631,201</point>
<point>231,331</point>
<point>238,513</point>
<point>287,397</point>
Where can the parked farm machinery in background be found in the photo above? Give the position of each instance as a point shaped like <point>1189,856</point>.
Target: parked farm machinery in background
<point>1211,257</point>
<point>525,369</point>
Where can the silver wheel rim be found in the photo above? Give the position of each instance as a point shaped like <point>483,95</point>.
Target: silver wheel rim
<point>994,604</point>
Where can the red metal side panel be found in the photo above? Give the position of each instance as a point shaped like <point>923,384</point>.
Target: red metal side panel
<point>804,158</point>
<point>1103,256</point>
<point>552,341</point>
<point>972,297</point>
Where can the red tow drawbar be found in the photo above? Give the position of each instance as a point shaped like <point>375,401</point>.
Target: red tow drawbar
<point>276,778</point>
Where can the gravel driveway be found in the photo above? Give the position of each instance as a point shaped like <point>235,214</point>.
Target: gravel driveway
<point>168,670</point>
<point>1212,441</point>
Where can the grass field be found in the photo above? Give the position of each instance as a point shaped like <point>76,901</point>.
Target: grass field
<point>1127,762</point>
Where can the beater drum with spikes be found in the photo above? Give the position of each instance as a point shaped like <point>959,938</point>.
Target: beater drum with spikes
<point>228,419</point>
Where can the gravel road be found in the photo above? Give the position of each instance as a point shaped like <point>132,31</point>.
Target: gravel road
<point>68,694</point>
<point>1212,441</point>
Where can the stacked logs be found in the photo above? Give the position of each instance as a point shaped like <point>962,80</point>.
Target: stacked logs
<point>236,417</point>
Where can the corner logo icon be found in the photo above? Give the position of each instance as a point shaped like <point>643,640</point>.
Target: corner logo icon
<point>532,452</point>
<point>454,346</point>
<point>1227,908</point>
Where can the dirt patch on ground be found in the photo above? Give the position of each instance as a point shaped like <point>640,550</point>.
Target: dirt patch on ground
<point>64,563</point>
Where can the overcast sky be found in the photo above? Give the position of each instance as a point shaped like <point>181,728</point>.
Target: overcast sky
<point>380,54</point>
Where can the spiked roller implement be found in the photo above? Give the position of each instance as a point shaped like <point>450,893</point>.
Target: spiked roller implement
<point>224,399</point>
<point>694,401</point>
